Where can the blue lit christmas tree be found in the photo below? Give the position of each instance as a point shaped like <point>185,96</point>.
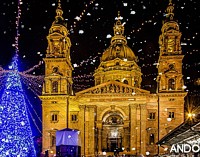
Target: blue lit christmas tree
<point>15,130</point>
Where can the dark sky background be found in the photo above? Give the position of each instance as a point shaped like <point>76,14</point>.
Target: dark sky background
<point>89,34</point>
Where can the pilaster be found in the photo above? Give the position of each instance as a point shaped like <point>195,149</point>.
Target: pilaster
<point>138,130</point>
<point>126,134</point>
<point>86,138</point>
<point>90,131</point>
<point>143,128</point>
<point>99,127</point>
<point>82,127</point>
<point>133,127</point>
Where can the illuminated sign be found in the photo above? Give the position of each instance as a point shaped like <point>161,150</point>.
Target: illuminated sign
<point>185,148</point>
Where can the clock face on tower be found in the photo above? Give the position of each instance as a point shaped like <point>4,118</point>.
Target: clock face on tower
<point>171,66</point>
<point>55,69</point>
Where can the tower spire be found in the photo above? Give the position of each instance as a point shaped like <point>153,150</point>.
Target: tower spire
<point>59,3</point>
<point>118,18</point>
<point>169,10</point>
<point>170,38</point>
<point>58,41</point>
<point>59,12</point>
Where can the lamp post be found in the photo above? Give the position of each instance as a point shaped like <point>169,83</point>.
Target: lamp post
<point>190,117</point>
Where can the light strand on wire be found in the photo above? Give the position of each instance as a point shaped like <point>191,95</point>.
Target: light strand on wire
<point>79,18</point>
<point>33,68</point>
<point>17,22</point>
<point>34,121</point>
<point>33,109</point>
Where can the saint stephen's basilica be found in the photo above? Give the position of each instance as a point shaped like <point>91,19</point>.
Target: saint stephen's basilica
<point>115,113</point>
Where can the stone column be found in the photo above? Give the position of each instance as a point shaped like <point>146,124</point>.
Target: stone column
<point>90,130</point>
<point>81,121</point>
<point>138,130</point>
<point>126,134</point>
<point>143,128</point>
<point>133,126</point>
<point>132,81</point>
<point>99,127</point>
<point>87,140</point>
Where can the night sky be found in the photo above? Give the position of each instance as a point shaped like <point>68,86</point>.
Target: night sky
<point>91,24</point>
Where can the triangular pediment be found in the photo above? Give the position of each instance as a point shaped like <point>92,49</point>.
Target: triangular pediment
<point>113,87</point>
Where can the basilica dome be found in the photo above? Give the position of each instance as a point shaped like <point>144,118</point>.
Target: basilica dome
<point>118,62</point>
<point>118,46</point>
<point>118,50</point>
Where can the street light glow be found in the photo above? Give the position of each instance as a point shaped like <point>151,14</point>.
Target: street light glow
<point>191,115</point>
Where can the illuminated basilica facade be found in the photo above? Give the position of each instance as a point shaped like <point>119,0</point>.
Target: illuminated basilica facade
<point>115,114</point>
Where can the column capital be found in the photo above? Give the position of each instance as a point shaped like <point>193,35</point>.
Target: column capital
<point>126,123</point>
<point>91,106</point>
<point>99,124</point>
<point>112,107</point>
<point>143,106</point>
<point>82,106</point>
<point>133,105</point>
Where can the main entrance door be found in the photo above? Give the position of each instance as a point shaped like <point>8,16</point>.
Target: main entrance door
<point>113,132</point>
<point>114,144</point>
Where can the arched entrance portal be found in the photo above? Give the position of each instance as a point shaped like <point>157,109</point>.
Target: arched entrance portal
<point>113,131</point>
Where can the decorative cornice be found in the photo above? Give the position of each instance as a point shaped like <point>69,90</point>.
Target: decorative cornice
<point>133,105</point>
<point>172,57</point>
<point>54,97</point>
<point>182,94</point>
<point>112,96</point>
<point>55,59</point>
<point>91,106</point>
<point>82,106</point>
<point>109,99</point>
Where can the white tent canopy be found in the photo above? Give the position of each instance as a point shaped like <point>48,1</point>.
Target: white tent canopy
<point>68,137</point>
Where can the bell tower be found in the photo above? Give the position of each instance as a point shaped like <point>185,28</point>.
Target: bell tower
<point>170,84</point>
<point>57,61</point>
<point>170,77</point>
<point>57,86</point>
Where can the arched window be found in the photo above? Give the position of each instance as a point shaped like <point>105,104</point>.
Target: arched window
<point>117,80</point>
<point>151,139</point>
<point>171,84</point>
<point>125,81</point>
<point>55,87</point>
<point>54,116</point>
